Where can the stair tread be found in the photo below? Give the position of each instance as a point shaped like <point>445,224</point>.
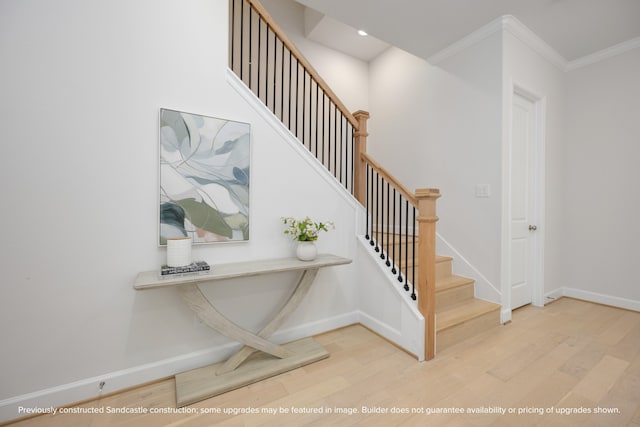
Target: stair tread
<point>443,258</point>
<point>413,262</point>
<point>452,281</point>
<point>463,312</point>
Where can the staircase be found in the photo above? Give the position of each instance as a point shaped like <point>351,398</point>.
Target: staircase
<point>459,315</point>
<point>270,65</point>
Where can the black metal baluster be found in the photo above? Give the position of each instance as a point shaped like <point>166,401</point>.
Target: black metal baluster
<point>388,229</point>
<point>345,147</point>
<point>241,40</point>
<point>266,66</point>
<point>377,230</point>
<point>351,150</point>
<point>335,140</point>
<point>341,144</point>
<point>328,165</point>
<point>290,87</point>
<point>310,90</point>
<point>381,231</point>
<point>250,46</point>
<point>311,121</point>
<point>393,244</point>
<point>304,102</point>
<point>366,227</point>
<point>337,167</point>
<point>371,204</point>
<point>259,51</point>
<point>413,271</point>
<point>275,70</point>
<point>324,129</point>
<point>281,82</point>
<point>300,89</point>
<point>400,245</point>
<point>233,32</point>
<point>317,113</point>
<point>406,245</point>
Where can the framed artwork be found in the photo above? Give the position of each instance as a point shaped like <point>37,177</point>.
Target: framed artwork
<point>204,178</point>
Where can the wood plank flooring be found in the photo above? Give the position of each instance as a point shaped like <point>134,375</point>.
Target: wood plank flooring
<point>571,363</point>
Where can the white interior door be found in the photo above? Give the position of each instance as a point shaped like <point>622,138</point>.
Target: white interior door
<point>523,202</point>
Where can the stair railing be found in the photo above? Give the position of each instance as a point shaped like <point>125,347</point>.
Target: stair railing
<point>271,66</point>
<point>401,227</point>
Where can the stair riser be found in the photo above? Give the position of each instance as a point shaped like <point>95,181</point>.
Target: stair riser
<point>454,296</point>
<point>467,329</point>
<point>443,269</point>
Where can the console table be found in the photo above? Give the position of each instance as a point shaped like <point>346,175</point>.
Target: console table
<point>241,369</point>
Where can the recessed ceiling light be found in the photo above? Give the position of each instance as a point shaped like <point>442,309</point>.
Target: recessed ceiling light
<point>362,33</point>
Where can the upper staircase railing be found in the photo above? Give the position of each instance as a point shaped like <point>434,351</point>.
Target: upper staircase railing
<point>264,58</point>
<point>271,66</point>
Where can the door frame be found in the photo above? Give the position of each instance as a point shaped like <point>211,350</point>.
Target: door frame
<point>538,162</point>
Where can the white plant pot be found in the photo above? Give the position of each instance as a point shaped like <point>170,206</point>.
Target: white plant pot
<point>306,251</point>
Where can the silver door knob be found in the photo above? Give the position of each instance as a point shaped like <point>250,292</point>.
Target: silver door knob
<point>532,228</point>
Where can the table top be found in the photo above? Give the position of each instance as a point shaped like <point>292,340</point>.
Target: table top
<point>153,279</point>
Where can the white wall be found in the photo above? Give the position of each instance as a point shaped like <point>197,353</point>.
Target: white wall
<point>347,76</point>
<point>440,126</point>
<point>81,88</point>
<point>444,126</point>
<point>602,199</point>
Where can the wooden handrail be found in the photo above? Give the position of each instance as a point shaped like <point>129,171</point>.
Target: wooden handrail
<point>255,4</point>
<point>402,189</point>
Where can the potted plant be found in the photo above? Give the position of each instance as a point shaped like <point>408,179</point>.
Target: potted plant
<point>305,232</point>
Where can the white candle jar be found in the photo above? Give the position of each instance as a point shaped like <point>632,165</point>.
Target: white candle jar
<point>178,251</point>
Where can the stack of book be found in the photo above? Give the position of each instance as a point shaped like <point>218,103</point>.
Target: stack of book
<point>194,267</point>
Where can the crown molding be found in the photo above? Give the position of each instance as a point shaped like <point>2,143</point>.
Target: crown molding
<point>467,41</point>
<point>517,29</point>
<point>504,23</point>
<point>604,54</point>
<point>513,26</point>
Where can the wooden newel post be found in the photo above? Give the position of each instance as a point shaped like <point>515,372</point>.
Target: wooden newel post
<point>359,166</point>
<point>426,285</point>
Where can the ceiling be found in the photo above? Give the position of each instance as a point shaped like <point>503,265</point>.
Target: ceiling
<point>573,28</point>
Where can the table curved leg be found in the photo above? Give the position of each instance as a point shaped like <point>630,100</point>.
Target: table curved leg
<point>214,319</point>
<point>300,291</point>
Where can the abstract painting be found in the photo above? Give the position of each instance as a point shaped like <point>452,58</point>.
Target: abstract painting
<point>204,178</point>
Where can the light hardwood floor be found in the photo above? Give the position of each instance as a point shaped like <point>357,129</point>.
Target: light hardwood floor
<point>568,356</point>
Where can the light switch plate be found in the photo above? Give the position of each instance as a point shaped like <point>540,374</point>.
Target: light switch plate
<point>483,190</point>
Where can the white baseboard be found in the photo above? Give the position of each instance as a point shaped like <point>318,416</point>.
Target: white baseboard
<point>619,302</point>
<point>88,388</point>
<point>407,340</point>
<point>380,328</point>
<point>553,295</point>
